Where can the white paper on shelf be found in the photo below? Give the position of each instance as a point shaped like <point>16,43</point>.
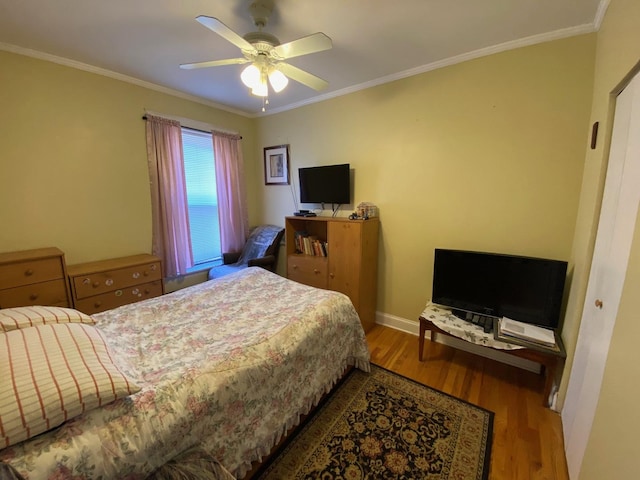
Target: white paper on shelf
<point>526,331</point>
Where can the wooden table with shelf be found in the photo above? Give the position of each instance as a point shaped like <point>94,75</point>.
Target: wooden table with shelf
<point>551,360</point>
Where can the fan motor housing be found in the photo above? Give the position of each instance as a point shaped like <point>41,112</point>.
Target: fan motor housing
<point>261,40</point>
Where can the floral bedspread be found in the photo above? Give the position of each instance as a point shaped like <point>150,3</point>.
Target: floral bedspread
<point>228,364</point>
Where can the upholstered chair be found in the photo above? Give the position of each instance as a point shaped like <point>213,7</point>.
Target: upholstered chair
<point>261,250</point>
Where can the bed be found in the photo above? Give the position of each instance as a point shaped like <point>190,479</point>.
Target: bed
<point>227,366</point>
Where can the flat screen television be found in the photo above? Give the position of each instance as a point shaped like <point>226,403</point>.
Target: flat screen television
<point>325,184</point>
<point>526,289</point>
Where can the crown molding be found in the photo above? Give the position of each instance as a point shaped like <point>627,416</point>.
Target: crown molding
<point>117,76</point>
<point>483,52</point>
<point>600,13</point>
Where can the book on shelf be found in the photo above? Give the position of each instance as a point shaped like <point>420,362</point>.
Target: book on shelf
<point>298,240</point>
<point>513,329</point>
<point>309,244</point>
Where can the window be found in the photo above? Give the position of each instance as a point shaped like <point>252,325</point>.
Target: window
<point>202,198</point>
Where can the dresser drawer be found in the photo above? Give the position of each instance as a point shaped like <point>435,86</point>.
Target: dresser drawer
<point>97,283</point>
<point>308,269</point>
<point>117,298</point>
<point>53,292</point>
<point>30,271</point>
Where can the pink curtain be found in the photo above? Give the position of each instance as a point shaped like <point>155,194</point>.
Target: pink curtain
<point>170,216</point>
<point>232,203</point>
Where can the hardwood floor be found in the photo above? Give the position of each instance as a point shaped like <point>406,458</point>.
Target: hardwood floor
<point>527,437</point>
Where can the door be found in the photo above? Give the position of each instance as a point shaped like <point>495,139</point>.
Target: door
<point>606,279</point>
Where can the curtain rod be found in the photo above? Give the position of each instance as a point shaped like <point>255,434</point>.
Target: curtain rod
<point>144,117</point>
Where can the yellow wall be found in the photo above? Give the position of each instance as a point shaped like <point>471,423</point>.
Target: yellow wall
<point>485,155</point>
<point>613,450</point>
<point>73,168</point>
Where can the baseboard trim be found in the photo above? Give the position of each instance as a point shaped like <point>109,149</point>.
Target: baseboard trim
<point>413,327</point>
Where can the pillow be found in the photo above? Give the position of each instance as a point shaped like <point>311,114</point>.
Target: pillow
<point>52,373</point>
<point>23,317</point>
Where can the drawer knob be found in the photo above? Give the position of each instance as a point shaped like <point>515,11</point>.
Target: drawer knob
<point>331,275</point>
<point>145,273</point>
<point>153,268</point>
<point>33,296</point>
<point>97,304</point>
<point>147,291</point>
<point>108,282</point>
<point>86,281</point>
<point>29,272</point>
<point>118,293</point>
<point>295,267</point>
<point>136,275</point>
<point>135,291</point>
<point>96,284</point>
<point>316,271</point>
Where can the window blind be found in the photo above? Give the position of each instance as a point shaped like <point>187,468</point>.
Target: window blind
<point>202,198</point>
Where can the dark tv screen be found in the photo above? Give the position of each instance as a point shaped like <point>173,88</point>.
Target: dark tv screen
<point>326,184</point>
<point>526,289</point>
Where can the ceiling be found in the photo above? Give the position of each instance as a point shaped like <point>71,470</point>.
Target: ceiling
<point>374,41</point>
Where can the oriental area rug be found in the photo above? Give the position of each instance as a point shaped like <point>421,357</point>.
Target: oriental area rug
<point>381,425</point>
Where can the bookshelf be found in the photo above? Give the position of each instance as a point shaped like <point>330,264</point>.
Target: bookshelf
<point>336,254</point>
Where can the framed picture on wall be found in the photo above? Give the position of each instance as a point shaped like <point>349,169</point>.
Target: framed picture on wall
<point>276,165</point>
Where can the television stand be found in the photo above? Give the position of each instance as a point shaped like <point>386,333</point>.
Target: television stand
<point>442,321</point>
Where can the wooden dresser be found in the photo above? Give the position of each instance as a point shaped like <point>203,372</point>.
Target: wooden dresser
<point>106,284</point>
<point>33,277</point>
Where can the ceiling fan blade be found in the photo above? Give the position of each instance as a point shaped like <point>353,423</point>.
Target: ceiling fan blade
<point>303,77</point>
<point>213,63</point>
<point>225,32</point>
<point>316,42</point>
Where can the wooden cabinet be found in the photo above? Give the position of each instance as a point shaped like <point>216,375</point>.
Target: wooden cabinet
<point>351,263</point>
<point>106,284</point>
<point>33,277</point>
<point>308,270</point>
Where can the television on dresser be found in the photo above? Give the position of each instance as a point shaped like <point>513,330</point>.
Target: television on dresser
<point>526,289</point>
<point>325,184</point>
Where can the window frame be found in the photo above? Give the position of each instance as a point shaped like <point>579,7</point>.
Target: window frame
<point>205,265</point>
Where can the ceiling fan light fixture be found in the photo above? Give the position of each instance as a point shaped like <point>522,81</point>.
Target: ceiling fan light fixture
<point>265,55</point>
<point>250,76</point>
<point>278,80</point>
<point>261,89</point>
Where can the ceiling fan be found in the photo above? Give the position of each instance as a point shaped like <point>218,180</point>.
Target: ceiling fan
<point>265,54</point>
